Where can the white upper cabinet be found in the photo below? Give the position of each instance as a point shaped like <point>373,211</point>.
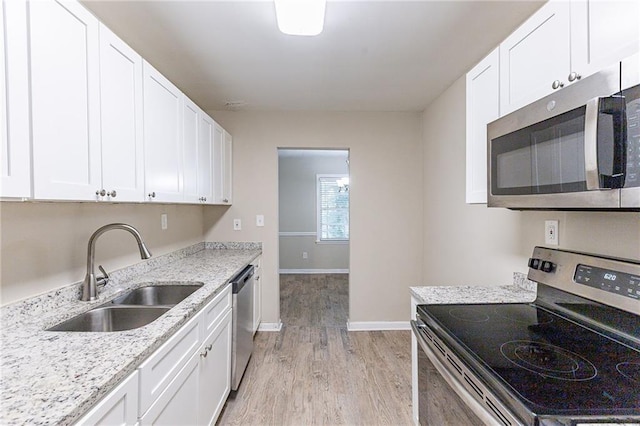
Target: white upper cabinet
<point>205,159</point>
<point>121,119</point>
<point>163,109</point>
<point>190,144</point>
<point>563,42</point>
<point>603,32</point>
<point>218,163</point>
<point>227,155</point>
<point>535,56</point>
<point>65,100</point>
<point>483,106</point>
<point>14,97</point>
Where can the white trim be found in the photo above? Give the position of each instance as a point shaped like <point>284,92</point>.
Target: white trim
<point>313,271</point>
<point>297,234</point>
<point>270,326</point>
<point>377,325</point>
<point>338,242</point>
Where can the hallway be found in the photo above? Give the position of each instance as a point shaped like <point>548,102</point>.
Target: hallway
<point>316,372</point>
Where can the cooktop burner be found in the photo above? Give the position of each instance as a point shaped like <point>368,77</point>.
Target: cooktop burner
<point>548,361</point>
<point>553,364</point>
<point>630,370</point>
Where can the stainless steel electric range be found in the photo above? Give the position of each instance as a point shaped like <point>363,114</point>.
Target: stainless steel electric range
<point>571,357</point>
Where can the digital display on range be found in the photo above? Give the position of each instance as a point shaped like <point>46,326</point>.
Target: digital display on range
<point>608,280</point>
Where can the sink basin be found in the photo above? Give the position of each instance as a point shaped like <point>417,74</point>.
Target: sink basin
<point>157,295</point>
<point>111,318</point>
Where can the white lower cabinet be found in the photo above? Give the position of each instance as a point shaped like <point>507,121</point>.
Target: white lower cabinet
<point>185,381</point>
<point>257,294</point>
<point>176,404</point>
<point>120,407</point>
<point>214,378</point>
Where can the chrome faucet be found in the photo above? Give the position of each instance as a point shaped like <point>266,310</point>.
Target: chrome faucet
<point>91,283</point>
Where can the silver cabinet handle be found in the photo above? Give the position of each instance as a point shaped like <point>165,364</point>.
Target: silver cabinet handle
<point>574,76</point>
<point>225,200</point>
<point>101,192</point>
<point>204,354</point>
<point>557,84</point>
<point>112,194</point>
<point>208,348</point>
<point>152,195</point>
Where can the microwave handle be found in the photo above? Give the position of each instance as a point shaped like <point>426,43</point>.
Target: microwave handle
<point>616,107</point>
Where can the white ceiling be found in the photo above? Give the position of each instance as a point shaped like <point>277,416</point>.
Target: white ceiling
<point>371,56</point>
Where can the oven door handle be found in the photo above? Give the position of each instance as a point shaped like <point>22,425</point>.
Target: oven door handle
<point>597,108</point>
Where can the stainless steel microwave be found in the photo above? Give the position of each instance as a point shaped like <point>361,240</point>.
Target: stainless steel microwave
<point>576,149</point>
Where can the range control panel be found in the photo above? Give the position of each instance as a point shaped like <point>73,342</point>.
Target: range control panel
<point>608,280</point>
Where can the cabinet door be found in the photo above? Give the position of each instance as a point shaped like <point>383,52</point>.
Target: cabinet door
<point>227,186</point>
<point>603,32</point>
<point>121,119</point>
<point>257,295</point>
<point>534,56</point>
<point>65,104</point>
<point>218,163</point>
<point>14,100</point>
<point>205,158</point>
<point>162,137</point>
<point>178,404</point>
<point>483,106</point>
<point>215,372</point>
<point>191,121</point>
<point>119,407</point>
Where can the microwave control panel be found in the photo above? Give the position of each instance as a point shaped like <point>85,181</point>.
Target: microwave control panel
<point>632,178</point>
<point>608,280</point>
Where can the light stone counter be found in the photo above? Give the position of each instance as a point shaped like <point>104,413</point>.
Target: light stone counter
<point>54,377</point>
<point>522,291</point>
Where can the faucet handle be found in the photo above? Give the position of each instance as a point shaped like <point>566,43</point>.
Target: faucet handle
<point>104,279</point>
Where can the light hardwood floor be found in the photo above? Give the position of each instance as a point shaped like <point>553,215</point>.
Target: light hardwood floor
<point>315,372</point>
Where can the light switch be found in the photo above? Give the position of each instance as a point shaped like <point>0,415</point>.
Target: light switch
<point>260,220</point>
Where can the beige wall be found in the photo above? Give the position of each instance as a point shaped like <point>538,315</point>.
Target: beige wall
<point>386,206</point>
<point>474,244</point>
<point>44,245</point>
<point>297,212</point>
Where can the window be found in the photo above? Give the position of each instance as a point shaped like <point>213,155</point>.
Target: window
<point>333,207</point>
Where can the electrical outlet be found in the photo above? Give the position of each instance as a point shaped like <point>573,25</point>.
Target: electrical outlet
<point>551,233</point>
<point>260,220</point>
<point>164,224</point>
<point>305,255</point>
<point>237,224</point>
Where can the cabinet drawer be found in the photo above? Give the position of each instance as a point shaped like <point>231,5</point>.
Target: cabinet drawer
<point>162,366</point>
<point>215,309</point>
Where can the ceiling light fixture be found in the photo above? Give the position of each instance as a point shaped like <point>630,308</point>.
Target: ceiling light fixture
<point>300,17</point>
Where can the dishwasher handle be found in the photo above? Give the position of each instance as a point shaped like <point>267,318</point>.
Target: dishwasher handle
<point>240,280</point>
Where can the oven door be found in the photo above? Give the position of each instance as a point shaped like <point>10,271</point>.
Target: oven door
<point>442,400</point>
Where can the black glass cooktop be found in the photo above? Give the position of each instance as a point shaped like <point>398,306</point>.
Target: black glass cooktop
<point>554,365</point>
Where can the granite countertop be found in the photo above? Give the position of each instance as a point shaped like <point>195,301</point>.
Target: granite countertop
<point>521,291</point>
<point>55,377</point>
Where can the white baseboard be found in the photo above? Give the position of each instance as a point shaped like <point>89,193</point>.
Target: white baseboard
<point>270,326</point>
<point>313,271</point>
<point>377,325</point>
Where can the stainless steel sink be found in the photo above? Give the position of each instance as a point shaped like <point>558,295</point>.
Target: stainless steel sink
<point>157,295</point>
<point>112,318</point>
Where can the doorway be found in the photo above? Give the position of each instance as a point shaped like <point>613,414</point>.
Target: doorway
<point>313,203</point>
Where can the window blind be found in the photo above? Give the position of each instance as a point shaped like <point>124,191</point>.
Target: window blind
<point>333,209</point>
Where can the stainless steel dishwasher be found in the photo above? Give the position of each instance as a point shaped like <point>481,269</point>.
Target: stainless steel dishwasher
<point>242,324</point>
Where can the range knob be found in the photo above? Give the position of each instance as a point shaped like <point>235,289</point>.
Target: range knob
<point>534,263</point>
<point>547,266</point>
